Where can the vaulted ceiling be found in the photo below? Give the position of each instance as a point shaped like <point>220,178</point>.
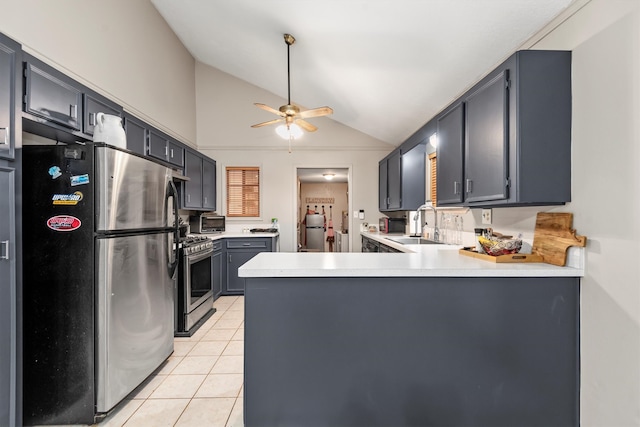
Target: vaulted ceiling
<point>384,66</point>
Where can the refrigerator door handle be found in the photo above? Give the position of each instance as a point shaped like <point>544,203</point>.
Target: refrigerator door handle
<point>173,193</point>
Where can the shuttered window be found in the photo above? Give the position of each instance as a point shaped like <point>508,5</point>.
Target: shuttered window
<point>433,185</point>
<point>243,191</point>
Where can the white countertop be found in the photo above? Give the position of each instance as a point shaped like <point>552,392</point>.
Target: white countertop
<point>422,261</point>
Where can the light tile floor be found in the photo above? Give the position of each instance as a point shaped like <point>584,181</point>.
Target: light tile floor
<point>201,382</point>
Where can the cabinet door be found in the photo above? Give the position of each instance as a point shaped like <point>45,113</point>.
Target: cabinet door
<point>217,272</point>
<point>157,145</point>
<point>93,105</point>
<point>235,259</point>
<point>486,148</point>
<point>136,134</point>
<point>192,197</point>
<point>208,184</point>
<point>449,155</point>
<point>51,98</point>
<point>8,315</point>
<point>10,64</point>
<point>382,185</point>
<point>394,180</point>
<point>176,154</point>
<point>413,177</point>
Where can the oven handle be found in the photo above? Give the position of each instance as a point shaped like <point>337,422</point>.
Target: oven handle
<point>172,191</point>
<point>193,258</point>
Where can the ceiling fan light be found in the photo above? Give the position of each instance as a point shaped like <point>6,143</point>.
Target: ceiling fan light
<point>289,131</point>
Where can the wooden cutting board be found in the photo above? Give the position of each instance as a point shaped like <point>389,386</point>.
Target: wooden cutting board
<point>553,235</point>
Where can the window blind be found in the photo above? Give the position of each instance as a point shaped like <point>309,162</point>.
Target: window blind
<point>243,191</point>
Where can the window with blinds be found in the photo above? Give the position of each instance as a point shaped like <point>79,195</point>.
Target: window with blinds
<point>243,191</point>
<point>433,195</point>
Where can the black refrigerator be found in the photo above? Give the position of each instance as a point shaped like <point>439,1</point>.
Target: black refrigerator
<point>100,235</point>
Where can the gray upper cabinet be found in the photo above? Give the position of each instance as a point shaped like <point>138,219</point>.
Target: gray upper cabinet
<point>199,193</point>
<point>51,96</point>
<point>413,177</point>
<point>450,154</point>
<point>59,102</point>
<point>136,131</point>
<point>208,184</point>
<point>94,104</point>
<point>10,79</point>
<point>486,142</point>
<point>164,148</point>
<point>516,127</point>
<point>390,182</point>
<point>401,180</point>
<point>192,194</point>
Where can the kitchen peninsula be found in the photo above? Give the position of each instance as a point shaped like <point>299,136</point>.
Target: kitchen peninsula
<point>423,338</point>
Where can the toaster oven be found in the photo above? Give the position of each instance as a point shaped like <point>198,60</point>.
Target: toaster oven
<point>207,223</point>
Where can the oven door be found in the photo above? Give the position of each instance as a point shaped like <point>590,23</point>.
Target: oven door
<point>197,279</point>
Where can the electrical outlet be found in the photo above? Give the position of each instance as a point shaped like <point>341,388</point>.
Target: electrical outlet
<point>486,216</point>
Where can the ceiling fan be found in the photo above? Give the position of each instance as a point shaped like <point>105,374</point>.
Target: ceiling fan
<point>290,115</point>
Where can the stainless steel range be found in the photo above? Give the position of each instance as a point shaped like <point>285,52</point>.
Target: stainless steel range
<point>194,299</point>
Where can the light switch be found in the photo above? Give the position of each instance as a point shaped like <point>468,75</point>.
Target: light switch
<point>361,214</point>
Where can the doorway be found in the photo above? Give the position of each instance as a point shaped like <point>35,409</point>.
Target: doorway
<point>323,203</point>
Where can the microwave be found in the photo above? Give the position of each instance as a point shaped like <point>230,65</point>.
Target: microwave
<point>391,225</point>
<point>207,223</point>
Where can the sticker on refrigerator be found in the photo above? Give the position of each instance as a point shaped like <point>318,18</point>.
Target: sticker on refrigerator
<point>67,199</point>
<point>63,223</point>
<point>55,172</point>
<point>79,179</point>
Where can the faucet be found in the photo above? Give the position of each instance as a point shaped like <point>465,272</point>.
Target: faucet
<point>436,231</point>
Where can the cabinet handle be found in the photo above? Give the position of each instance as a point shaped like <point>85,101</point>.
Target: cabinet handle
<point>6,136</point>
<point>166,151</point>
<point>189,198</point>
<point>456,190</point>
<point>92,119</point>
<point>5,249</point>
<point>74,111</point>
<point>246,244</point>
<point>469,186</point>
<point>205,200</point>
<point>171,153</point>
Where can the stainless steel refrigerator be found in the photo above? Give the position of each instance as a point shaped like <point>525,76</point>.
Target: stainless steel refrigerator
<point>314,228</point>
<point>100,259</point>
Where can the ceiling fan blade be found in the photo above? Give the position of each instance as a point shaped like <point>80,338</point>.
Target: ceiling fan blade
<point>306,125</point>
<point>269,109</point>
<point>316,112</point>
<point>270,122</point>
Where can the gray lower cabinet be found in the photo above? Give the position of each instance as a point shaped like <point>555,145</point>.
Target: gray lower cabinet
<point>8,297</point>
<point>238,252</point>
<point>412,351</point>
<point>218,268</point>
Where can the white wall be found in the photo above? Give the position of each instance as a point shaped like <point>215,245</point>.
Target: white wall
<point>225,112</point>
<point>605,39</point>
<point>121,48</point>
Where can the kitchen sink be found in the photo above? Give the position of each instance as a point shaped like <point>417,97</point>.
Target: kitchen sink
<point>406,240</point>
